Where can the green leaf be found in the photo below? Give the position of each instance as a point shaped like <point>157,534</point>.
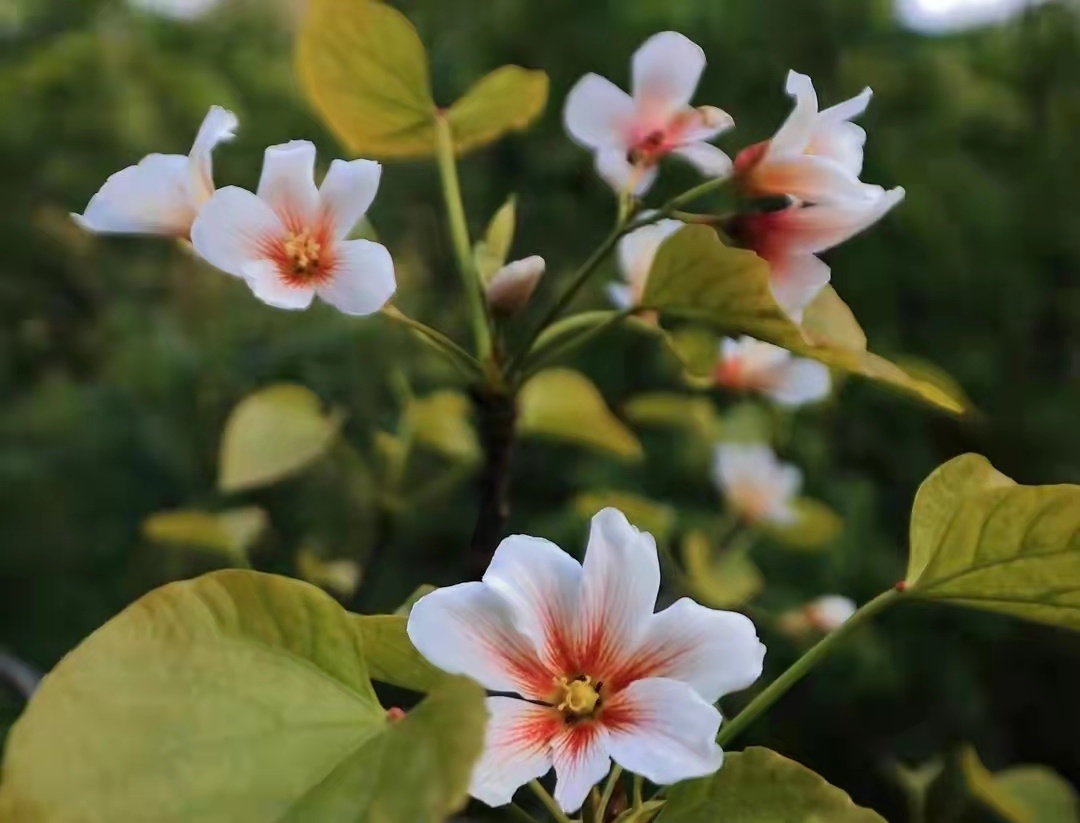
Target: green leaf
<point>816,526</point>
<point>978,539</point>
<point>1022,794</point>
<point>273,434</point>
<point>698,351</point>
<point>562,404</point>
<point>420,591</point>
<point>722,580</point>
<point>760,786</point>
<point>746,422</point>
<point>508,99</point>
<point>696,277</point>
<point>648,515</point>
<point>695,415</point>
<point>237,697</point>
<point>493,249</point>
<point>647,813</point>
<point>364,69</point>
<point>391,656</point>
<point>828,321</point>
<point>443,423</point>
<point>230,533</point>
<point>342,576</point>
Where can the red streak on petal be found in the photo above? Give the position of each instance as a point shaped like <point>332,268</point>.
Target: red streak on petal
<point>534,733</point>
<point>747,161</point>
<point>274,248</point>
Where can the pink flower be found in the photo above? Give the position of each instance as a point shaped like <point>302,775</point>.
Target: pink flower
<point>288,242</point>
<point>757,486</point>
<point>751,365</point>
<point>631,134</point>
<point>595,674</point>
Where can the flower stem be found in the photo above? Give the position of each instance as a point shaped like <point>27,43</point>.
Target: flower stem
<point>609,790</point>
<point>464,361</point>
<point>639,787</point>
<point>459,235</point>
<point>549,802</point>
<point>520,814</point>
<point>779,687</point>
<point>497,419</point>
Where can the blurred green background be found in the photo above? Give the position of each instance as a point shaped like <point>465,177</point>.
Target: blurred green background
<point>120,359</point>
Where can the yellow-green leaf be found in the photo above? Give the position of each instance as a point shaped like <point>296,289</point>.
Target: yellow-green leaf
<point>760,786</point>
<point>238,697</point>
<point>645,814</point>
<point>656,518</point>
<point>391,656</point>
<point>230,533</point>
<point>696,415</point>
<point>978,539</point>
<point>562,404</point>
<point>828,321</point>
<point>508,99</point>
<point>364,69</point>
<point>723,580</point>
<point>342,576</point>
<point>1021,794</point>
<point>420,591</point>
<point>746,422</point>
<point>443,423</point>
<point>273,434</point>
<point>816,526</point>
<point>493,249</point>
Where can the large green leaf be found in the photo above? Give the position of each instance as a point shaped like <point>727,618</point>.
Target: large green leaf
<point>235,697</point>
<point>978,539</point>
<point>391,656</point>
<point>1021,794</point>
<point>272,434</point>
<point>508,99</point>
<point>760,786</point>
<point>696,277</point>
<point>562,404</point>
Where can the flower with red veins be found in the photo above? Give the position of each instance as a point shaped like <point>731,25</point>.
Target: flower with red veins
<point>288,241</point>
<point>162,194</point>
<point>754,366</point>
<point>759,487</point>
<point>637,252</point>
<point>630,134</point>
<point>816,156</point>
<point>595,675</point>
<point>790,239</point>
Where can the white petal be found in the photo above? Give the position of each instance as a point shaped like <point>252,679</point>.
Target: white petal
<point>831,611</point>
<point>842,143</point>
<point>637,252</point>
<point>598,113</point>
<point>708,159</point>
<point>470,629</point>
<point>800,382</point>
<point>218,126</point>
<point>670,733</point>
<point>581,761</point>
<point>796,280</point>
<point>542,584</point>
<point>618,172</point>
<point>810,178</point>
<point>666,71</point>
<point>705,123</point>
<point>820,228</point>
<point>517,748</point>
<point>714,652</point>
<point>794,135</point>
<point>265,281</point>
<point>755,483</point>
<point>288,182</point>
<point>619,588</point>
<point>232,229</point>
<point>363,278</point>
<point>347,192</point>
<point>621,296</point>
<point>849,109</point>
<point>150,198</point>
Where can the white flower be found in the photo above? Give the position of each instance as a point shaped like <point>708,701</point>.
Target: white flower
<point>747,364</point>
<point>599,674</point>
<point>163,194</point>
<point>288,242</point>
<point>512,286</point>
<point>816,156</point>
<point>637,251</point>
<point>631,134</point>
<point>756,485</point>
<point>830,612</point>
<point>177,9</point>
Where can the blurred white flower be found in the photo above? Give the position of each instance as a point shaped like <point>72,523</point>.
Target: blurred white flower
<point>937,16</point>
<point>288,242</point>
<point>164,192</point>
<point>823,615</point>
<point>637,251</point>
<point>601,676</point>
<point>631,134</point>
<point>177,9</point>
<point>512,286</point>
<point>751,365</point>
<point>759,487</point>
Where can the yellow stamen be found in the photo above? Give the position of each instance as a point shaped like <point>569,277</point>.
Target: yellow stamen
<point>579,697</point>
<point>303,251</point>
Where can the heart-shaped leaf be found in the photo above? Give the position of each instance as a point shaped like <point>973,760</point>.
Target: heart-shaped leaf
<point>760,786</point>
<point>978,539</point>
<point>442,422</point>
<point>237,697</point>
<point>1021,794</point>
<point>721,579</point>
<point>391,656</point>
<point>508,99</point>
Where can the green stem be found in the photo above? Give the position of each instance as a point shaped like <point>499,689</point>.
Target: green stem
<point>639,791</point>
<point>549,802</point>
<point>465,362</point>
<point>689,196</point>
<point>609,790</point>
<point>459,234</point>
<point>779,687</point>
<point>521,814</point>
<point>563,348</point>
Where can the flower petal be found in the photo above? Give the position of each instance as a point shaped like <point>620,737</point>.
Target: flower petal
<point>794,135</point>
<point>218,126</point>
<point>704,123</point>
<point>666,71</point>
<point>231,228</point>
<point>714,652</point>
<point>598,113</point>
<point>617,171</point>
<point>362,280</point>
<point>581,760</point>
<point>517,748</point>
<point>810,178</point>
<point>849,109</point>
<point>820,228</point>
<point>265,281</point>
<point>708,159</point>
<point>619,587</point>
<point>637,252</point>
<point>796,280</point>
<point>347,192</point>
<point>288,182</point>
<point>542,584</point>
<point>663,730</point>
<point>842,143</point>
<point>470,629</point>
<point>799,382</point>
<point>150,198</point>
<point>621,296</point>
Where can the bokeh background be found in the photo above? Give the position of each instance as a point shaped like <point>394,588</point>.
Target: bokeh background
<point>120,359</point>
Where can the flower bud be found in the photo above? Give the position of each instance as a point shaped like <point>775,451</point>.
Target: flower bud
<point>513,285</point>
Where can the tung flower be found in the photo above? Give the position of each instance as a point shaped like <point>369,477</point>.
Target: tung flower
<point>512,286</point>
<point>599,674</point>
<point>288,242</point>
<point>164,192</point>
<point>637,251</point>
<point>756,485</point>
<point>631,134</point>
<point>825,614</point>
<point>751,365</point>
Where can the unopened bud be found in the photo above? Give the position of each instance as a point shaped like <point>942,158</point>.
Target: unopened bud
<point>513,285</point>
